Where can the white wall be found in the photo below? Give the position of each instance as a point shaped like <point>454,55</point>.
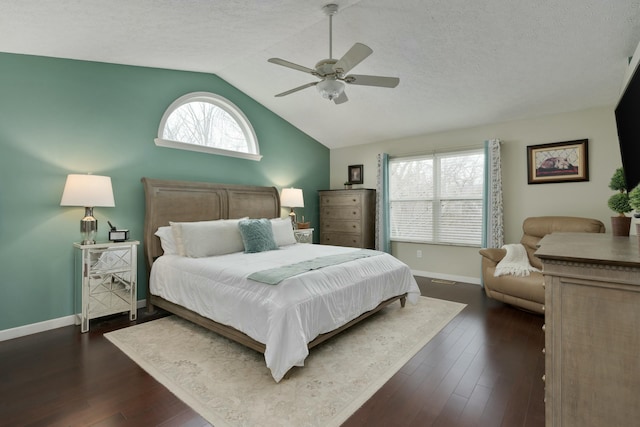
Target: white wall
<point>521,200</point>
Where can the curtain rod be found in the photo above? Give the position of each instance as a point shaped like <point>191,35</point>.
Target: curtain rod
<point>438,151</point>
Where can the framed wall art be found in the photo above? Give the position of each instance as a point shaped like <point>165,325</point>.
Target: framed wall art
<point>355,174</point>
<point>558,162</point>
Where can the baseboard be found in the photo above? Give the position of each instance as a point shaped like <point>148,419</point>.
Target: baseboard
<point>451,277</point>
<point>47,325</point>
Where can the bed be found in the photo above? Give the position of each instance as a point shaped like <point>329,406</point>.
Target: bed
<point>282,320</point>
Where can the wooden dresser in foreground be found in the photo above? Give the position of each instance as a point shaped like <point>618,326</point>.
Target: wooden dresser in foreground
<point>592,329</point>
<point>348,217</point>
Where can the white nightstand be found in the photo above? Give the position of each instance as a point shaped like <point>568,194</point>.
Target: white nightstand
<point>303,235</point>
<point>105,280</point>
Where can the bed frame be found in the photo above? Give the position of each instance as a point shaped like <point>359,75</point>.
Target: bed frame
<point>183,201</point>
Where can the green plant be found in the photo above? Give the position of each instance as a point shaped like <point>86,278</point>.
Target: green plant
<point>619,202</point>
<point>634,198</point>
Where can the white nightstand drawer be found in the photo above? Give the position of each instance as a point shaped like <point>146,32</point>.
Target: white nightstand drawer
<point>303,235</point>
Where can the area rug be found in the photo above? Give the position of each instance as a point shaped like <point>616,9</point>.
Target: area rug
<point>230,385</point>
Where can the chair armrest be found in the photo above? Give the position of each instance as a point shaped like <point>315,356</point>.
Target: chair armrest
<point>493,254</point>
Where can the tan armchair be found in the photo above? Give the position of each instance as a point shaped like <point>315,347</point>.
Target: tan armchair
<point>528,292</point>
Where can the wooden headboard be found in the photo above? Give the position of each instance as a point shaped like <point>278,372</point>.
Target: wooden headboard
<point>183,201</point>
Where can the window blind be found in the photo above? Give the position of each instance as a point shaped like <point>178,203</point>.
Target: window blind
<point>437,198</point>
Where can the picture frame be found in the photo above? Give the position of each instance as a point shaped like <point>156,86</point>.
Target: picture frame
<point>355,174</point>
<point>558,162</point>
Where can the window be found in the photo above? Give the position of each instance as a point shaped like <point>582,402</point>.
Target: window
<point>437,198</point>
<point>209,123</point>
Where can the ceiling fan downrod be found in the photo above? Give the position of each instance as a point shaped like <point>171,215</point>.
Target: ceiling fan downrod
<point>330,10</point>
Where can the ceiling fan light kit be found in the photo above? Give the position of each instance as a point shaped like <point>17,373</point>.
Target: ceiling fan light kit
<point>330,88</point>
<point>333,73</point>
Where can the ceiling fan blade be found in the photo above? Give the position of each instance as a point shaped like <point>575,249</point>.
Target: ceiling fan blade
<point>296,89</point>
<point>288,64</point>
<point>358,79</point>
<point>341,99</point>
<point>353,57</point>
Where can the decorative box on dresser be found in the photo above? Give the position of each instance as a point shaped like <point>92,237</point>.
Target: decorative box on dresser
<point>348,217</point>
<point>592,329</point>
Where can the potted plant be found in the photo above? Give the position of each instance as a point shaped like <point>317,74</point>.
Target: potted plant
<point>619,203</point>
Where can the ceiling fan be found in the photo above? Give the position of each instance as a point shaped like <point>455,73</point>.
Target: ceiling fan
<point>333,72</point>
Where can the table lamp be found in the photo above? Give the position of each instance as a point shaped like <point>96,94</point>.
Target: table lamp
<point>292,198</point>
<point>88,191</point>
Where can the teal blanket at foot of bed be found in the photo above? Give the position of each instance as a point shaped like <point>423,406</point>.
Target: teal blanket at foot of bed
<point>273,276</point>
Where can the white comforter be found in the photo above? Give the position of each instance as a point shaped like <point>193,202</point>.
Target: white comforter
<point>287,316</point>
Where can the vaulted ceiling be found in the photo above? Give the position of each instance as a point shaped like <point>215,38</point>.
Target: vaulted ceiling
<point>461,63</point>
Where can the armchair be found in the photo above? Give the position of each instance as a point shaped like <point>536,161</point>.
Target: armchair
<point>527,292</point>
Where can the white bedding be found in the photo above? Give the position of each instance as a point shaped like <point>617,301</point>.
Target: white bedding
<point>287,316</point>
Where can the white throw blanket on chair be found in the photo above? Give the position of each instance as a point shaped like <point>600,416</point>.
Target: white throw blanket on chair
<point>515,262</point>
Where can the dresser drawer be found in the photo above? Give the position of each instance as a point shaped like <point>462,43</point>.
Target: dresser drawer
<point>341,226</point>
<point>341,212</point>
<point>340,200</point>
<point>341,239</point>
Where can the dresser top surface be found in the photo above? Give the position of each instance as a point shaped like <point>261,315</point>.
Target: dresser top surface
<point>339,190</point>
<point>596,248</point>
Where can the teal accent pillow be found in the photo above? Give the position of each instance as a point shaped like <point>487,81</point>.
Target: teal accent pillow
<point>257,235</point>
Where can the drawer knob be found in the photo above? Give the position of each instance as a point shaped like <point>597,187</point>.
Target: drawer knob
<point>544,378</point>
<point>544,350</point>
<point>544,327</point>
<point>354,200</point>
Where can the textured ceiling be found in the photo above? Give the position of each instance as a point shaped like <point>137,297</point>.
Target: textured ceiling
<point>461,63</point>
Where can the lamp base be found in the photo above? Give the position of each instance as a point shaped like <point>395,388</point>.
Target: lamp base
<point>88,227</point>
<point>292,215</point>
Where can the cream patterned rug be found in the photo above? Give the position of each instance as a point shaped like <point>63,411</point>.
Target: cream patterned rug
<point>230,385</point>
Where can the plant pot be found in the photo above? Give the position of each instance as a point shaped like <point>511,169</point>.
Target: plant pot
<point>620,225</point>
<point>348,186</point>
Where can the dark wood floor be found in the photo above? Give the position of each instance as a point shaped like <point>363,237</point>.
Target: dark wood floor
<point>483,369</point>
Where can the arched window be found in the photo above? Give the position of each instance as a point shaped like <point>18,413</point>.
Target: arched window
<point>208,123</point>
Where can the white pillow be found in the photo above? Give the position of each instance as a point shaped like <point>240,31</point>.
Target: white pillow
<point>207,238</point>
<point>283,231</point>
<point>167,240</point>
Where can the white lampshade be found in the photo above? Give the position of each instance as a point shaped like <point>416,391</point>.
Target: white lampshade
<point>330,88</point>
<point>291,198</point>
<point>87,191</point>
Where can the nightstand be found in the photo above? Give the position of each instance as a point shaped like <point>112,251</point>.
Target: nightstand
<point>105,280</point>
<point>303,235</point>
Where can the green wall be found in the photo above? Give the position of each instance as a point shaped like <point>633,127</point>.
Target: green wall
<point>62,116</point>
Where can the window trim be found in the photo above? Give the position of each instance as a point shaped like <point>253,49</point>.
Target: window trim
<point>436,199</point>
<point>220,102</point>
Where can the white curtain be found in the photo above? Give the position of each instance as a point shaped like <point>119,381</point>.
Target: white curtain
<point>383,241</point>
<point>493,227</point>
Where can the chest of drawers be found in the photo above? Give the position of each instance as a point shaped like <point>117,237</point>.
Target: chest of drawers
<point>592,339</point>
<point>347,218</point>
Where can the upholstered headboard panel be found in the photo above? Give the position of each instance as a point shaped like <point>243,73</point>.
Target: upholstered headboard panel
<point>200,201</point>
